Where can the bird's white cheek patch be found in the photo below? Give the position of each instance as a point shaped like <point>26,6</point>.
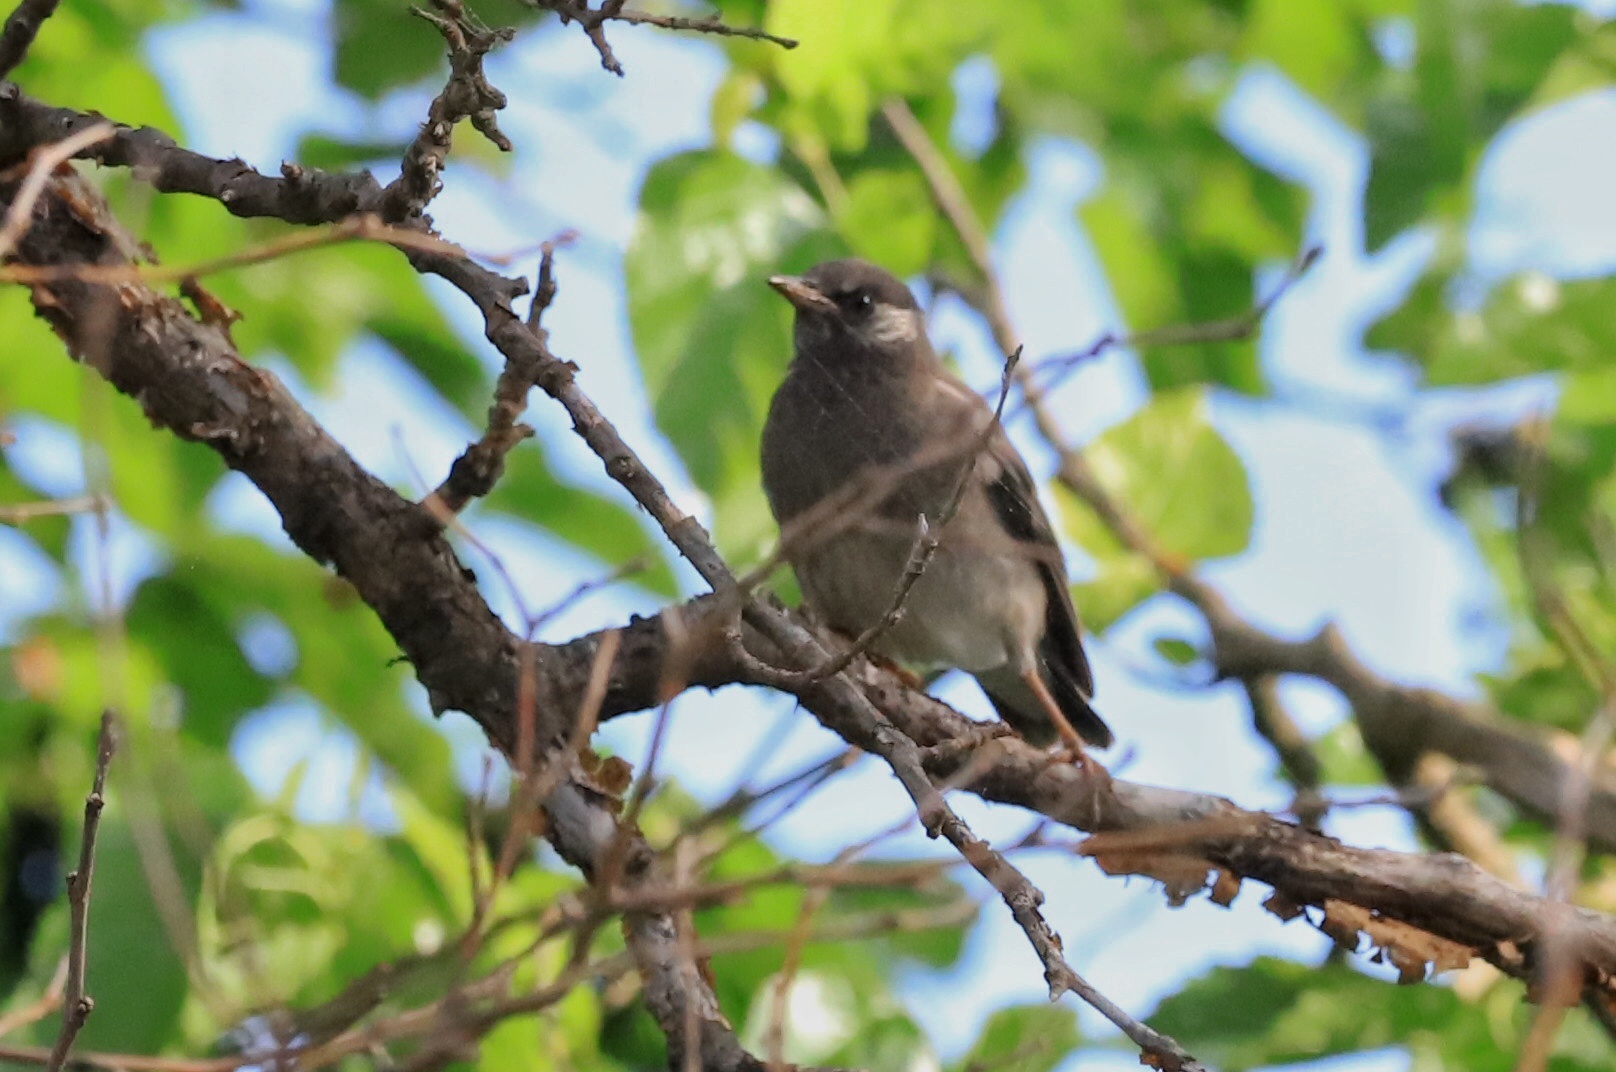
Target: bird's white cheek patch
<point>889,324</point>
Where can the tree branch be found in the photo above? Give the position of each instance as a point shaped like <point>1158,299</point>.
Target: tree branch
<point>466,95</point>
<point>20,30</point>
<point>593,22</point>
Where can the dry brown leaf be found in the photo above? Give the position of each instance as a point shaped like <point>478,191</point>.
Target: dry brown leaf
<point>616,774</point>
<point>1341,924</point>
<point>1409,949</point>
<point>608,775</point>
<point>209,307</point>
<point>1182,877</point>
<point>1282,906</point>
<point>1225,887</point>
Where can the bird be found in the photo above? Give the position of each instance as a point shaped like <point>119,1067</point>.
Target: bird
<point>868,443</point>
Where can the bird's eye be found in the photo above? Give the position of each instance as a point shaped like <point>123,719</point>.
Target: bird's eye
<point>857,301</point>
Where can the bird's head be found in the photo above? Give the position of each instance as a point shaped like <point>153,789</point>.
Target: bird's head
<point>852,310</point>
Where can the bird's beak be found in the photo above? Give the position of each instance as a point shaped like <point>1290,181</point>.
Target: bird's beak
<point>801,293</point>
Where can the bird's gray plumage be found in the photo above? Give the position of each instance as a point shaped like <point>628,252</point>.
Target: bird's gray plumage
<point>867,404</point>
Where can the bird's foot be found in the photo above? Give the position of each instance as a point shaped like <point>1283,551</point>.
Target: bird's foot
<point>1074,754</point>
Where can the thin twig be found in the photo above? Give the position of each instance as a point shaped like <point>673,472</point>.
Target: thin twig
<point>535,786</point>
<point>593,21</point>
<point>481,464</point>
<point>466,95</point>
<point>43,162</point>
<point>1273,722</point>
<point>709,25</point>
<point>579,591</point>
<point>1233,329</point>
<point>804,782</point>
<point>78,1004</point>
<point>22,513</point>
<point>363,228</point>
<point>47,1003</point>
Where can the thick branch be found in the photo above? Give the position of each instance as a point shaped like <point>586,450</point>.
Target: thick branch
<point>190,381</point>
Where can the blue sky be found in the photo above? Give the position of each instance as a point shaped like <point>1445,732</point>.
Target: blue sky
<point>1344,467</point>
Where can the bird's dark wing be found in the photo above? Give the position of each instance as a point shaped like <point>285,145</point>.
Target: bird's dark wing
<point>1015,501</point>
<point>1014,498</point>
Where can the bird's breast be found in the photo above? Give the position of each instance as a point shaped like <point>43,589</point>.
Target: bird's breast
<point>824,434</point>
<point>973,608</point>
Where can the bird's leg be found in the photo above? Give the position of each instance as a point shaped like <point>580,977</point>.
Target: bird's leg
<point>1072,744</point>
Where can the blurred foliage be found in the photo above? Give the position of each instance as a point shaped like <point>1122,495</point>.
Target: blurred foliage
<point>258,909</point>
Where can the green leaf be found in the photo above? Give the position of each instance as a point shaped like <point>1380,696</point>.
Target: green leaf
<point>345,659</point>
<point>739,975</point>
<point>1527,325</point>
<point>840,39</point>
<point>37,376</point>
<point>1124,581</point>
<point>89,58</point>
<point>1181,227</point>
<point>711,338</point>
<point>1024,1038</point>
<point>1141,275</point>
<point>1176,475</point>
<point>1402,171</point>
<point>884,1044</point>
<point>413,325</point>
<point>855,53</point>
<point>1176,650</point>
<point>889,219</point>
<point>936,947</point>
<point>1343,758</point>
<point>1173,472</point>
<point>48,533</point>
<point>186,626</point>
<point>1091,69</point>
<point>1318,45</point>
<point>510,1045</point>
<point>380,46</point>
<point>1273,1012</point>
<point>1477,63</point>
<point>1414,327</point>
<point>340,154</point>
<point>312,306</point>
<point>1588,65</point>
